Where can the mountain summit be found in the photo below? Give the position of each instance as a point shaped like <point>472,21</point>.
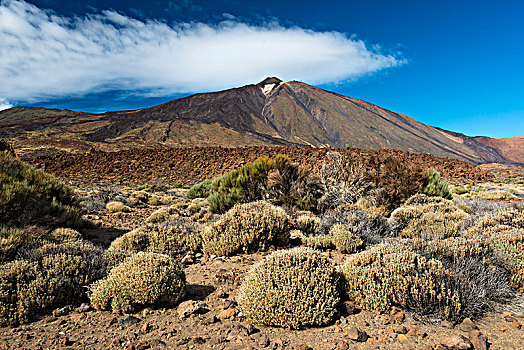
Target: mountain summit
<point>272,112</point>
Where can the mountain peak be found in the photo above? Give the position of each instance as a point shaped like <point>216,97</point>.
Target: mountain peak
<point>269,80</point>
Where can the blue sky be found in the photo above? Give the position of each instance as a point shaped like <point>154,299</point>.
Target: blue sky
<point>453,64</point>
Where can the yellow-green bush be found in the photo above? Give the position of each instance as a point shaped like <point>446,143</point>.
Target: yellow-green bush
<point>117,207</point>
<point>53,275</point>
<point>344,238</point>
<point>387,275</point>
<point>144,279</point>
<point>33,197</point>
<point>158,216</point>
<point>433,217</point>
<point>246,228</point>
<point>319,242</point>
<point>291,288</point>
<point>308,223</point>
<point>172,238</point>
<point>510,245</point>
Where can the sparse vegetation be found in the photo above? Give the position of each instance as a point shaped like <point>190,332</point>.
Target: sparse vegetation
<point>291,288</point>
<point>144,279</point>
<point>32,197</point>
<point>246,228</point>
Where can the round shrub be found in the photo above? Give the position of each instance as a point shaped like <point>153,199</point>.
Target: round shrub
<point>246,228</point>
<point>53,275</point>
<point>432,217</point>
<point>117,207</point>
<point>308,223</point>
<point>344,239</point>
<point>387,275</point>
<point>319,242</point>
<point>291,288</point>
<point>173,238</point>
<point>144,279</point>
<point>160,215</point>
<point>65,235</point>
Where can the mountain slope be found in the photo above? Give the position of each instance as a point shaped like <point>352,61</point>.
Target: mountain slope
<point>272,112</point>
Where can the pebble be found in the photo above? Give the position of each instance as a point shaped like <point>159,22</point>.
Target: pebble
<point>129,320</point>
<point>356,334</point>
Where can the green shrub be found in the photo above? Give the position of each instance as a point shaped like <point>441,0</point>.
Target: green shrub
<point>321,242</point>
<point>459,190</point>
<point>435,186</point>
<point>291,288</point>
<point>117,207</point>
<point>52,276</point>
<point>172,238</point>
<point>29,196</point>
<point>145,279</point>
<point>388,275</point>
<point>200,190</point>
<point>344,238</point>
<point>308,223</point>
<point>246,228</point>
<point>220,202</point>
<point>158,216</point>
<point>431,217</point>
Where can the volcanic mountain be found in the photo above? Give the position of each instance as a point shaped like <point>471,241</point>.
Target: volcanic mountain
<point>272,112</point>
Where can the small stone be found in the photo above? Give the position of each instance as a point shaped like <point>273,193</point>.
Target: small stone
<point>143,345</point>
<point>118,342</point>
<point>62,311</point>
<point>337,329</point>
<point>84,307</point>
<point>348,308</point>
<point>199,340</point>
<point>187,260</point>
<point>129,320</point>
<point>342,345</point>
<point>357,335</point>
<point>227,313</point>
<point>402,337</point>
<point>446,324</point>
<point>401,329</point>
<point>78,317</point>
<point>277,341</point>
<point>399,316</point>
<point>456,342</point>
<point>479,340</point>
<point>263,341</point>
<point>146,328</point>
<point>386,320</point>
<point>516,324</point>
<point>113,321</point>
<point>219,340</point>
<point>467,325</point>
<point>187,308</point>
<point>302,347</point>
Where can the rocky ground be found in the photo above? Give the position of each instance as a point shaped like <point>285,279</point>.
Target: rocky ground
<point>191,165</point>
<point>208,317</point>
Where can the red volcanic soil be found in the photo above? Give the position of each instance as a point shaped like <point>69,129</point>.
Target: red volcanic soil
<point>512,148</point>
<point>191,165</point>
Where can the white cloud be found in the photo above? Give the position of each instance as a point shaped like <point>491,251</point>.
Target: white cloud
<point>44,55</point>
<point>4,104</point>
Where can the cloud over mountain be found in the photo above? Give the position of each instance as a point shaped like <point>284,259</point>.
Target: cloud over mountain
<point>44,55</point>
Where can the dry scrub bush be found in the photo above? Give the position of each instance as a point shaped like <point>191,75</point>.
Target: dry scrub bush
<point>247,228</point>
<point>291,288</point>
<point>481,272</point>
<point>292,185</point>
<point>52,275</point>
<point>145,279</point>
<point>508,217</point>
<point>321,242</point>
<point>344,238</point>
<point>431,217</point>
<point>117,207</point>
<point>344,180</point>
<point>173,238</point>
<point>158,216</point>
<point>308,223</point>
<point>510,245</point>
<point>496,195</point>
<point>388,275</point>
